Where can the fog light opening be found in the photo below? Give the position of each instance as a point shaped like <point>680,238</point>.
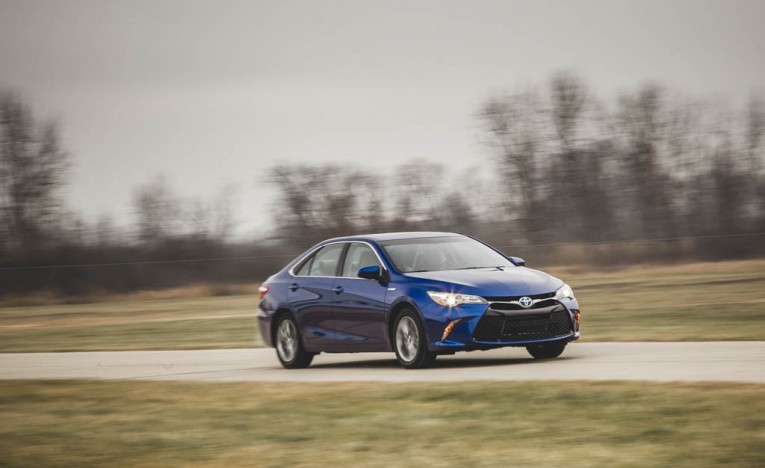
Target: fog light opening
<point>449,328</point>
<point>576,319</point>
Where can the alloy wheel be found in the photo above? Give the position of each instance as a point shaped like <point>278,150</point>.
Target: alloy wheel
<point>286,340</point>
<point>407,339</point>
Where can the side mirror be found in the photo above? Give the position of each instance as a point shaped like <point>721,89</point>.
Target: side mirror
<point>518,261</point>
<point>371,272</point>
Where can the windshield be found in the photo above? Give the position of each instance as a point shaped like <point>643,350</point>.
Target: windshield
<point>442,253</point>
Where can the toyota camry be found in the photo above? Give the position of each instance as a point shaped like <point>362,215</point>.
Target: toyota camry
<point>417,294</point>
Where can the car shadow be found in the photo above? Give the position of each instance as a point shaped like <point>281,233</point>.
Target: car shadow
<point>441,363</point>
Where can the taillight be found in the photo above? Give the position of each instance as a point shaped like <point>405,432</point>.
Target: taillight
<point>262,291</point>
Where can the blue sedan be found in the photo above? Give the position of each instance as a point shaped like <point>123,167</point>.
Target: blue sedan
<point>418,294</point>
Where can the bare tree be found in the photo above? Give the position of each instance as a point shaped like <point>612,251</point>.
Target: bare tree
<point>576,168</point>
<point>319,201</point>
<point>454,213</point>
<point>104,232</point>
<point>756,157</point>
<point>755,131</point>
<point>518,127</point>
<point>32,170</point>
<point>642,118</point>
<point>417,189</point>
<point>569,99</point>
<point>209,220</point>
<point>158,212</point>
<point>223,215</point>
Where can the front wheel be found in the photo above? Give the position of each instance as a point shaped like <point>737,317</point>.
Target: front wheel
<point>546,350</point>
<point>289,347</point>
<point>410,342</point>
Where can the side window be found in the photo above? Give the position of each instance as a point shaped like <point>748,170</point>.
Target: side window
<point>324,262</point>
<point>358,256</point>
<point>305,267</point>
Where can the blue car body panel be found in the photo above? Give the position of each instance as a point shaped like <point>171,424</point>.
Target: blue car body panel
<point>343,314</point>
<point>360,311</point>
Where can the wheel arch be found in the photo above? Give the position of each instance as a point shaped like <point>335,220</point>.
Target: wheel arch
<point>395,311</point>
<point>281,312</point>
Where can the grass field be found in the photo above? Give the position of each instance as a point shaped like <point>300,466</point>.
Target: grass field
<point>132,323</point>
<point>693,302</point>
<point>468,424</point>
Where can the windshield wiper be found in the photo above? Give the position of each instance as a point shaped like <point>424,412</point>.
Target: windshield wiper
<point>476,267</point>
<point>455,269</point>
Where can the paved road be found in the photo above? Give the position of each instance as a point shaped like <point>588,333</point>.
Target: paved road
<point>710,361</point>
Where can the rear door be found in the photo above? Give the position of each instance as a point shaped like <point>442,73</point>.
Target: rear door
<point>311,296</point>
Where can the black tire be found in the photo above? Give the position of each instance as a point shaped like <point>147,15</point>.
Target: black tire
<point>410,342</point>
<point>549,350</point>
<point>289,346</point>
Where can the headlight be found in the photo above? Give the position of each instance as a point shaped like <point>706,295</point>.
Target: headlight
<point>564,292</point>
<point>447,299</point>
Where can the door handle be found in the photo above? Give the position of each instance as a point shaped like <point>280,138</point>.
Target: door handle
<point>294,287</point>
<point>338,289</point>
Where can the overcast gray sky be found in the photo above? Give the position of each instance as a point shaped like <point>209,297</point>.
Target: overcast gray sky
<point>213,93</point>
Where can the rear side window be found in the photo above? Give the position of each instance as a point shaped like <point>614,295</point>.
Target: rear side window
<point>358,256</point>
<point>305,268</point>
<point>323,262</point>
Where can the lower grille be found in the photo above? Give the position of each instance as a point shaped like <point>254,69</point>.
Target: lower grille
<point>495,326</point>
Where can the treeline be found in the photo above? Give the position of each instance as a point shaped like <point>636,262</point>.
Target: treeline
<point>573,179</point>
<point>647,176</point>
<point>45,246</point>
<point>648,165</point>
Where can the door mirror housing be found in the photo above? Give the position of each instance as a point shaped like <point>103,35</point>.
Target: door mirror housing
<point>518,261</point>
<point>371,272</point>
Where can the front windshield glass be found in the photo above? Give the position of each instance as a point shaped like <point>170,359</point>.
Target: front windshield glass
<point>442,253</point>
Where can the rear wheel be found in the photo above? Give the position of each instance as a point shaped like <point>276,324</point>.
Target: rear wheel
<point>546,350</point>
<point>289,347</point>
<point>410,342</point>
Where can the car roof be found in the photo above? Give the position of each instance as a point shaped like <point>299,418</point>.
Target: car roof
<point>387,236</point>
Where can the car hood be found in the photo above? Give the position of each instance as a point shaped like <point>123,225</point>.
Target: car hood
<point>511,281</point>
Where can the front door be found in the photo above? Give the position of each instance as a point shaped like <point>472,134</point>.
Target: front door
<point>360,303</point>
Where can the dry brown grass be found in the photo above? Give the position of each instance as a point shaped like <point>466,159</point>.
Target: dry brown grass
<point>692,302</point>
<point>166,323</point>
<point>47,298</point>
<point>652,269</point>
<point>581,272</point>
<point>373,424</point>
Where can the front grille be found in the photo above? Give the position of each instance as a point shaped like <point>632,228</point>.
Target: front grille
<point>496,326</point>
<point>515,298</point>
<point>542,304</point>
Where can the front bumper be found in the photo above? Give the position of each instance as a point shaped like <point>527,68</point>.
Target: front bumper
<point>501,324</point>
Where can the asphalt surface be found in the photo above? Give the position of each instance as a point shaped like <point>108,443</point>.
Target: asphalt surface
<point>707,361</point>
